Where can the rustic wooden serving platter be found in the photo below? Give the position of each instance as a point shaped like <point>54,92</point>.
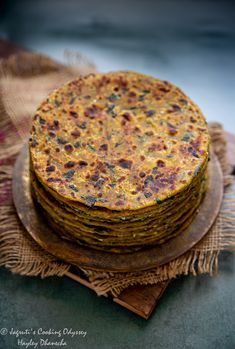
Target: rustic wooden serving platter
<point>85,257</point>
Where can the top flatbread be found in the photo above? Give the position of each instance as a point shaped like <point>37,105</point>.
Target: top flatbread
<point>119,140</point>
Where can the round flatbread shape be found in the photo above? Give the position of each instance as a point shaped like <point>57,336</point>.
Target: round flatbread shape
<point>119,160</point>
<point>119,140</point>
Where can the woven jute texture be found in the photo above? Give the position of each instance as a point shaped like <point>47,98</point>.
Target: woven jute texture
<point>25,79</point>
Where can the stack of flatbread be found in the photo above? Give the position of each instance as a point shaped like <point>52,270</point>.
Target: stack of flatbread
<point>118,160</point>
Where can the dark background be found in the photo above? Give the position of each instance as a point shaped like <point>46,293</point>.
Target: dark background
<point>191,43</point>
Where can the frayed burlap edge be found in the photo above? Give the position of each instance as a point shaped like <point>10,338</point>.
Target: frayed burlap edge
<point>20,254</point>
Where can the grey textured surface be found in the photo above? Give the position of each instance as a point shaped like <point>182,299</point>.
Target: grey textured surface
<point>195,312</point>
<point>191,43</point>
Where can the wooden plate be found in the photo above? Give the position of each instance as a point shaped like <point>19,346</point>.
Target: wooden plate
<point>81,256</point>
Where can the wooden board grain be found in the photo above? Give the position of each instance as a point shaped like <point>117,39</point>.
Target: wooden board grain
<point>142,299</point>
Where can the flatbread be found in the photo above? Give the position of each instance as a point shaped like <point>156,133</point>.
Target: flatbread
<point>119,140</point>
<point>119,160</point>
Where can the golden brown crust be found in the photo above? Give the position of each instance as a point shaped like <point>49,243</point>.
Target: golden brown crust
<point>119,141</point>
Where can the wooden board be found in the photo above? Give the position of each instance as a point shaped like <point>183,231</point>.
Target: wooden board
<point>139,299</point>
<point>85,257</point>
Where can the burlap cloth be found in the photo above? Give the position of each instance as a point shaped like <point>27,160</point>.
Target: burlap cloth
<point>25,79</point>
